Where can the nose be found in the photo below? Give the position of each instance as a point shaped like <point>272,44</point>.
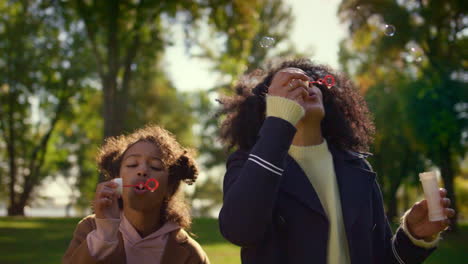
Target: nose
<point>143,171</point>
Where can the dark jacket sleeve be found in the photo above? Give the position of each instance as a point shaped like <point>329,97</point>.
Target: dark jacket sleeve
<point>397,248</point>
<point>251,184</point>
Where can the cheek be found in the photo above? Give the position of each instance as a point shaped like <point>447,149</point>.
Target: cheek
<point>163,181</point>
<point>124,174</point>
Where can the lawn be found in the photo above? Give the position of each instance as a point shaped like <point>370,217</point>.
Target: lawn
<point>44,240</point>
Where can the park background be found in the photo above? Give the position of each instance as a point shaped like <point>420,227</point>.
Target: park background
<point>73,72</point>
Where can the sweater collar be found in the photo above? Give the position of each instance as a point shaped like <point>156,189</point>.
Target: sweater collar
<point>132,235</point>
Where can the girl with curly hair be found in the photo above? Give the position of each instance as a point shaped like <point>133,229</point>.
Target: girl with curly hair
<point>298,188</point>
<point>139,226</point>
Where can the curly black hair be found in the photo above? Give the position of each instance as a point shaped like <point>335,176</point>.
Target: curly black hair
<point>176,159</point>
<point>347,124</point>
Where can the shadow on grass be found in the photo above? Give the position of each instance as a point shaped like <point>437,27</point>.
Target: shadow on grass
<point>34,240</point>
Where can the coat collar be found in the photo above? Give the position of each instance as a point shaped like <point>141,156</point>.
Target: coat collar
<point>354,184</point>
<point>176,251</point>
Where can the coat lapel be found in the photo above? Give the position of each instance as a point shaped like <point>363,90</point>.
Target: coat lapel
<point>354,183</point>
<point>175,252</point>
<point>296,183</point>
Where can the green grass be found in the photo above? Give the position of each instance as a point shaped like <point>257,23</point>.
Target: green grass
<point>44,240</point>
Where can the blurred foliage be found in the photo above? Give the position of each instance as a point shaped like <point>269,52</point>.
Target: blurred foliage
<point>241,53</point>
<point>125,36</point>
<point>102,63</point>
<point>419,68</point>
<point>461,189</point>
<point>44,62</point>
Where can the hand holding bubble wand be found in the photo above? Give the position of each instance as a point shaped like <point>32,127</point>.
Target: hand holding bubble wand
<point>141,185</point>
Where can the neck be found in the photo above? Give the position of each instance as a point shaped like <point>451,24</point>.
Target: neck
<point>144,223</point>
<point>308,133</point>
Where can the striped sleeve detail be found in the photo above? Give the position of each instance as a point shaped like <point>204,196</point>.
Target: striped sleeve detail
<point>395,253</point>
<point>265,164</point>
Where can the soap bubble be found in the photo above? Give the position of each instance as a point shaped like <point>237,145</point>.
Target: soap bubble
<point>267,42</point>
<point>389,30</point>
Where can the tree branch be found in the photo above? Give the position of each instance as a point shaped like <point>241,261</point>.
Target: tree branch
<point>92,36</point>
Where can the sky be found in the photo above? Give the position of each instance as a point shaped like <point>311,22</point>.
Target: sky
<point>316,26</point>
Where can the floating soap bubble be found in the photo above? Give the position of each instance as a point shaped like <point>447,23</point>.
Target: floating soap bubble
<point>267,42</point>
<point>389,30</point>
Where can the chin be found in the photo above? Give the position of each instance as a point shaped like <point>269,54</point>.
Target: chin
<point>142,205</point>
<point>315,112</point>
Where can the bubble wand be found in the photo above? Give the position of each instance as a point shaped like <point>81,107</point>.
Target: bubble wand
<point>140,185</point>
<point>328,81</point>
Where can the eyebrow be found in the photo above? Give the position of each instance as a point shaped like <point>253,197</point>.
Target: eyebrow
<point>138,155</point>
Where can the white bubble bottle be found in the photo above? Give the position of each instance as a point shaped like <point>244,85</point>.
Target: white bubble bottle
<point>431,192</point>
<point>119,187</point>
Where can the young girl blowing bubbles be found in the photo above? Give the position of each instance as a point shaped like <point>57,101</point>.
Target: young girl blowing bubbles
<point>139,226</point>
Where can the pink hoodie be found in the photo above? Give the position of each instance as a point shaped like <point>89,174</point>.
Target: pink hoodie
<point>104,240</point>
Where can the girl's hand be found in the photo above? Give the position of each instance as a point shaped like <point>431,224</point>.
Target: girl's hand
<point>105,201</point>
<point>418,223</point>
<point>290,83</point>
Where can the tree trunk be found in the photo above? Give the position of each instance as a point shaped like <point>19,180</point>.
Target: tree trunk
<point>16,209</point>
<point>12,155</point>
<point>448,176</point>
<point>392,203</point>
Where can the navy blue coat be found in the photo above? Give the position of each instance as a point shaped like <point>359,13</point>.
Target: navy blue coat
<point>272,211</point>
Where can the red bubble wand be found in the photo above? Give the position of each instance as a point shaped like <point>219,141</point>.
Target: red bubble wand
<point>328,81</point>
<point>146,185</point>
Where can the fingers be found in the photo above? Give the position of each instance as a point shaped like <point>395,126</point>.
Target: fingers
<point>104,202</point>
<point>444,224</point>
<point>295,83</point>
<point>449,212</point>
<point>298,94</point>
<point>106,189</point>
<point>287,74</point>
<point>442,192</point>
<point>445,202</point>
<point>106,193</point>
<point>110,184</point>
<point>421,205</point>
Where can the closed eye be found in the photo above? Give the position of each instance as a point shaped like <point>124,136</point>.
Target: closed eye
<point>132,166</point>
<point>156,169</point>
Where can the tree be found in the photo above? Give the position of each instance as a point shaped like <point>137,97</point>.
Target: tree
<point>242,52</point>
<point>44,61</point>
<point>429,49</point>
<point>117,30</point>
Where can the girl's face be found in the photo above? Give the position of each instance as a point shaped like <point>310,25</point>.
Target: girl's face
<point>142,161</point>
